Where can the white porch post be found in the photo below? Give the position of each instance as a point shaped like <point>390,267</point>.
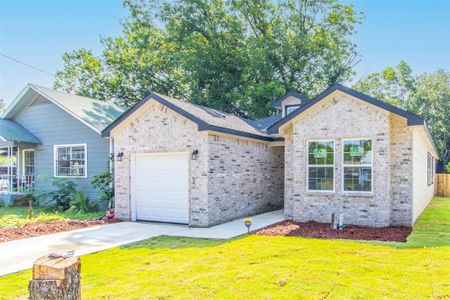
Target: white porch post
<point>9,170</point>
<point>18,169</point>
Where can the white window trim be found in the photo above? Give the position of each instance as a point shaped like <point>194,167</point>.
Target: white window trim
<point>308,165</point>
<point>55,147</point>
<point>23,160</point>
<point>356,165</point>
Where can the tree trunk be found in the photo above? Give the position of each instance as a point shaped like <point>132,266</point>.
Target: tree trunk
<point>56,278</point>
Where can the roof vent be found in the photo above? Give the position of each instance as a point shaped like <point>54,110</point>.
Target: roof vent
<point>213,112</point>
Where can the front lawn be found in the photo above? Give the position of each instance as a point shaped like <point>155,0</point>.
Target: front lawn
<point>268,267</point>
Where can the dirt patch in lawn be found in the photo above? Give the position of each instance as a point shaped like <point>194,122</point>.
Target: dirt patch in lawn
<point>42,228</point>
<point>322,230</point>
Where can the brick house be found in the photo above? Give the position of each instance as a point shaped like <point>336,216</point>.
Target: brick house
<point>342,152</point>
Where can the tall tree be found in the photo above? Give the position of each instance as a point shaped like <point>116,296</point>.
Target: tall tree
<point>427,95</point>
<point>233,55</point>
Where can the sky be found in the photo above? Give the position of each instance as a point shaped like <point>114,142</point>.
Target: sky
<point>38,32</point>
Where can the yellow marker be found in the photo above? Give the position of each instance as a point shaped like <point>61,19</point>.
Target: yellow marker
<point>248,222</point>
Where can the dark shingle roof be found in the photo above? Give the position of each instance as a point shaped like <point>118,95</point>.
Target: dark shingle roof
<point>206,118</point>
<point>264,123</point>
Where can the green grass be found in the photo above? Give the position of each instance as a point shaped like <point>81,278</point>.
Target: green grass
<point>16,216</point>
<point>432,229</point>
<point>260,267</point>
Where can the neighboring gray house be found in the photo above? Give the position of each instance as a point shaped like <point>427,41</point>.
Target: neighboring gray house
<point>46,133</point>
<point>342,152</point>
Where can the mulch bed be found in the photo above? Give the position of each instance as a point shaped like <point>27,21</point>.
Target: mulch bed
<point>42,228</point>
<point>322,230</point>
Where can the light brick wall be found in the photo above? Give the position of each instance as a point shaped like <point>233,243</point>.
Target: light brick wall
<point>244,178</point>
<point>230,178</point>
<point>339,118</point>
<point>159,129</point>
<point>401,141</point>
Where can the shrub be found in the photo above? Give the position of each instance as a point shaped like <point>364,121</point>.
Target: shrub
<point>24,200</point>
<point>2,203</point>
<point>103,182</point>
<point>447,168</point>
<point>80,203</point>
<point>63,193</point>
<point>12,221</point>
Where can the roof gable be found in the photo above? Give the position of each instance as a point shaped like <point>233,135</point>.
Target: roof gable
<point>277,103</point>
<point>412,119</point>
<point>95,114</point>
<point>206,118</point>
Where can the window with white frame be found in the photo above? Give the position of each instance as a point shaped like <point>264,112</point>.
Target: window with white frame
<point>430,169</point>
<point>28,163</point>
<point>70,160</point>
<point>357,165</point>
<point>320,166</point>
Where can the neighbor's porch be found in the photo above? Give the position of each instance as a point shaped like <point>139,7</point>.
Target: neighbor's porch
<point>17,159</point>
<point>17,170</point>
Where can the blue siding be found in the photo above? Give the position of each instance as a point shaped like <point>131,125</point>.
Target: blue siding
<point>53,126</point>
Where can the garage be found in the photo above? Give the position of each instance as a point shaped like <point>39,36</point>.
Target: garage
<point>160,187</point>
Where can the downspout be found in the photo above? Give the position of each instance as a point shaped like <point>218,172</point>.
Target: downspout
<point>111,167</point>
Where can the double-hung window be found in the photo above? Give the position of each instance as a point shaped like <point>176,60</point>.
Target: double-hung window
<point>357,165</point>
<point>28,163</point>
<point>320,166</point>
<point>70,160</point>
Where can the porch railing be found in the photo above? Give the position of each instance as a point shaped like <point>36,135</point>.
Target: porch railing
<point>14,183</point>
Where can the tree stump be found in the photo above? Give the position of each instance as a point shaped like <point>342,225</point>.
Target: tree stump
<point>56,278</point>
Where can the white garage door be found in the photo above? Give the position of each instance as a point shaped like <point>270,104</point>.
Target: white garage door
<point>160,187</point>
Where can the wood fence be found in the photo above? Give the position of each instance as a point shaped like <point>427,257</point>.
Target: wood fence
<point>442,185</point>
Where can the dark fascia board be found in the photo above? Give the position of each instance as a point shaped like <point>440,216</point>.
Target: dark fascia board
<point>411,118</point>
<point>277,103</point>
<point>202,125</point>
<point>240,133</point>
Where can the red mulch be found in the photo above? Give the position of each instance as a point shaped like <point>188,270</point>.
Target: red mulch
<point>322,230</point>
<point>42,228</point>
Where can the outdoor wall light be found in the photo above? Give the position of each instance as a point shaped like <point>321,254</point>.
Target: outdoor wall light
<point>194,154</point>
<point>119,156</point>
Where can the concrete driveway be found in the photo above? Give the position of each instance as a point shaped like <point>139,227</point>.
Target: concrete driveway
<point>20,254</point>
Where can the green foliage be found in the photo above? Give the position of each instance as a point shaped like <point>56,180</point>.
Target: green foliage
<point>12,220</point>
<point>447,168</point>
<point>103,182</point>
<point>427,95</point>
<point>232,55</point>
<point>80,203</point>
<point>63,193</point>
<point>24,200</point>
<point>2,203</point>
<point>22,212</point>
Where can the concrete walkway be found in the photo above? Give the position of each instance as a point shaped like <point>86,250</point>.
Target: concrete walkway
<point>20,254</point>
